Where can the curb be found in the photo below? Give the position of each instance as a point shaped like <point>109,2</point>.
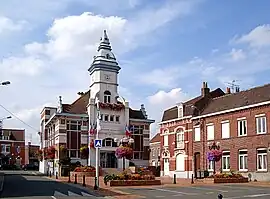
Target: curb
<point>2,182</point>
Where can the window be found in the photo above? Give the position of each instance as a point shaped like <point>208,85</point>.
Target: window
<point>262,159</point>
<point>242,127</point>
<point>197,136</point>
<point>117,118</point>
<point>180,138</point>
<point>225,129</point>
<point>211,165</point>
<point>63,122</point>
<point>107,97</point>
<point>158,151</point>
<point>210,132</point>
<point>153,152</point>
<point>111,118</point>
<point>47,112</point>
<point>226,161</point>
<point>180,112</point>
<point>73,153</point>
<point>106,118</point>
<point>261,125</point>
<point>243,160</point>
<point>166,140</point>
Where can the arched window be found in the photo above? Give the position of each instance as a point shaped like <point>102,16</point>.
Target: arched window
<point>180,138</point>
<point>107,97</point>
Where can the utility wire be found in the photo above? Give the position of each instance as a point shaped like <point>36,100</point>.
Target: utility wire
<point>33,128</point>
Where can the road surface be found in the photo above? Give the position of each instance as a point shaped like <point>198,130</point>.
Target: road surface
<point>38,187</point>
<point>229,191</point>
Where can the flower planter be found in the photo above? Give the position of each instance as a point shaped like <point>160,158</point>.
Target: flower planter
<point>230,180</point>
<point>86,174</point>
<point>134,182</point>
<point>208,180</point>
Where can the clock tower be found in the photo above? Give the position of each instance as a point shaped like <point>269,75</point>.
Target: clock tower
<point>104,73</point>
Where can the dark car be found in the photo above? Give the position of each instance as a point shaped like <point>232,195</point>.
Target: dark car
<point>31,167</point>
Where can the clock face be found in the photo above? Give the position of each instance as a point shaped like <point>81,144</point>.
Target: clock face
<point>107,77</point>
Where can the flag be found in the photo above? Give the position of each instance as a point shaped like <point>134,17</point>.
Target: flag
<point>127,131</point>
<point>97,103</point>
<point>92,130</point>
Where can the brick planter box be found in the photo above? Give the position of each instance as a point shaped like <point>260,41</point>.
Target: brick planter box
<point>87,174</point>
<point>134,182</point>
<point>230,180</point>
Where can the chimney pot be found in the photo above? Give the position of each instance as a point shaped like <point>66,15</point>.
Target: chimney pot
<point>228,90</point>
<point>205,90</point>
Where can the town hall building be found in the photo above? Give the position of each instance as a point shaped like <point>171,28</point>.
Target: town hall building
<point>72,125</point>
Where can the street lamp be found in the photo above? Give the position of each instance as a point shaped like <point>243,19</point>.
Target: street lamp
<point>5,83</point>
<point>2,119</point>
<point>125,141</point>
<point>214,146</point>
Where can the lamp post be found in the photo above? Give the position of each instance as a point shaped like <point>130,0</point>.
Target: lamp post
<point>5,83</point>
<point>125,141</point>
<point>214,146</point>
<point>2,119</point>
<point>97,149</point>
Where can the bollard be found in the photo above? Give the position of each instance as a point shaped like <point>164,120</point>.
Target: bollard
<point>192,179</point>
<point>220,196</point>
<point>50,174</point>
<point>83,184</point>
<point>174,178</point>
<point>69,177</point>
<point>96,186</point>
<point>75,180</point>
<point>56,175</point>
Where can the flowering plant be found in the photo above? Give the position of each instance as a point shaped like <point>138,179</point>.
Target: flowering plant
<point>214,155</point>
<point>124,152</point>
<point>50,153</point>
<point>39,154</point>
<point>114,106</point>
<point>84,152</point>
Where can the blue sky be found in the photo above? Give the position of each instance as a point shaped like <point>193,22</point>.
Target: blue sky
<point>166,48</point>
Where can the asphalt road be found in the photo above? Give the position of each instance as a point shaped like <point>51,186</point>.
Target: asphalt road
<point>202,192</point>
<point>37,187</point>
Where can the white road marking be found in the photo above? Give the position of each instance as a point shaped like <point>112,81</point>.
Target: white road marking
<point>171,191</point>
<point>72,194</point>
<point>250,196</point>
<point>53,197</point>
<point>160,196</point>
<point>209,189</point>
<point>57,193</point>
<point>86,194</point>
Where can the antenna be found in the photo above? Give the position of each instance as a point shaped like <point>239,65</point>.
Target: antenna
<point>234,87</point>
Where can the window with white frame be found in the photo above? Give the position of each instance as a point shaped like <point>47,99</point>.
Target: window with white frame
<point>210,132</point>
<point>5,148</point>
<point>225,129</point>
<point>180,112</point>
<point>243,160</point>
<point>242,127</point>
<point>153,152</point>
<point>166,140</point>
<point>197,132</point>
<point>107,97</point>
<point>211,165</point>
<point>262,159</point>
<point>180,137</point>
<point>261,125</point>
<point>226,161</point>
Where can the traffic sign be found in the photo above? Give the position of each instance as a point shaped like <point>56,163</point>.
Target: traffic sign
<point>98,143</point>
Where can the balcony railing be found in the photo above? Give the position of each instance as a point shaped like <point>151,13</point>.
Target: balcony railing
<point>180,144</point>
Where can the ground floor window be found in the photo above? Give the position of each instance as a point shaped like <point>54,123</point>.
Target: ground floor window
<point>243,160</point>
<point>211,165</point>
<point>226,161</point>
<point>262,159</point>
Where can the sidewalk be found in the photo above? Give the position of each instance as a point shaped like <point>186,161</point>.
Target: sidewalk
<point>2,178</point>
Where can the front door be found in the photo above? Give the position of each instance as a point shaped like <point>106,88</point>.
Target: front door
<point>166,167</point>
<point>108,160</point>
<point>197,164</point>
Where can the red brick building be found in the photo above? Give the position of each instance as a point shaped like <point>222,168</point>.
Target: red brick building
<point>12,143</point>
<point>239,122</point>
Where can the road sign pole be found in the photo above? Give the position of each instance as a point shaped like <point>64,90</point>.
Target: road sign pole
<point>97,148</point>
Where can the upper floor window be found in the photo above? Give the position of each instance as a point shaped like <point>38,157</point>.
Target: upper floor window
<point>225,129</point>
<point>107,97</point>
<point>180,112</point>
<point>197,136</point>
<point>261,124</point>
<point>166,140</point>
<point>242,127</point>
<point>210,132</point>
<point>5,148</point>
<point>180,137</point>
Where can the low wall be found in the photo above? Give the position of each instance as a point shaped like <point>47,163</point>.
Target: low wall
<point>134,182</point>
<point>86,174</point>
<point>230,180</point>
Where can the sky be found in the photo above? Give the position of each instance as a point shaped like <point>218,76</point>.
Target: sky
<point>166,49</point>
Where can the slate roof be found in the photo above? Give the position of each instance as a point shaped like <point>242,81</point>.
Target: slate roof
<point>156,138</point>
<point>198,101</point>
<point>235,100</point>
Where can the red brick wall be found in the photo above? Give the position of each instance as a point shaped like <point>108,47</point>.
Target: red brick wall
<point>233,144</point>
<point>13,149</point>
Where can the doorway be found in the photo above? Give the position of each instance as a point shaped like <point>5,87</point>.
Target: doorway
<point>166,167</point>
<point>108,159</point>
<point>197,164</point>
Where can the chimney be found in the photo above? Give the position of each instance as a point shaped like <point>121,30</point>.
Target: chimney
<point>205,90</point>
<point>228,90</point>
<point>143,111</point>
<point>237,89</point>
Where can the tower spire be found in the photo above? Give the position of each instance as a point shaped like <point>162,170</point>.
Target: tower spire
<point>105,42</point>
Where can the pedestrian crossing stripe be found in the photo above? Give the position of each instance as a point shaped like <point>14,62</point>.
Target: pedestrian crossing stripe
<point>70,193</point>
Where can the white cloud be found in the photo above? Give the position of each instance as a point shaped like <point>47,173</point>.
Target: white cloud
<point>258,37</point>
<point>6,25</point>
<point>237,54</point>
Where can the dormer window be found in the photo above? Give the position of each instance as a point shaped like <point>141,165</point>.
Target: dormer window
<point>180,112</point>
<point>107,97</point>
